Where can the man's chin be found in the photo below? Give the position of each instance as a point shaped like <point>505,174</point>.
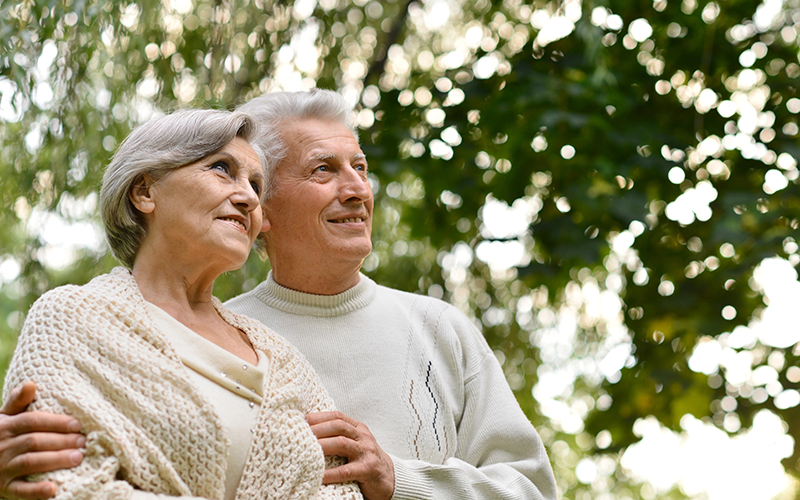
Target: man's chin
<point>355,251</point>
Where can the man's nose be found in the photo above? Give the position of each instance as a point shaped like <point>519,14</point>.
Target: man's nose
<point>355,186</point>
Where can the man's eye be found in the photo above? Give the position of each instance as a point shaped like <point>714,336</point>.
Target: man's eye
<point>322,168</point>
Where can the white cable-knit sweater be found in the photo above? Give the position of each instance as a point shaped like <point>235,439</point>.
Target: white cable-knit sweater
<point>94,354</point>
<point>419,374</point>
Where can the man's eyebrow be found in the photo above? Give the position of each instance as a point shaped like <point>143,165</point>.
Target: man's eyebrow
<point>329,156</point>
<point>322,156</point>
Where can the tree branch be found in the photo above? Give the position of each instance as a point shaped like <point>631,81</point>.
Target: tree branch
<point>377,67</point>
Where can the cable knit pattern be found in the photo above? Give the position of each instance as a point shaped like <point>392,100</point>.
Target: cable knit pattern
<point>95,354</point>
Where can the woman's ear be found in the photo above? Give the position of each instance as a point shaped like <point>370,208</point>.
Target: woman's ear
<point>141,194</point>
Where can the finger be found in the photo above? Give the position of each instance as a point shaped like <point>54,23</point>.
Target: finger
<point>334,428</point>
<point>38,422</point>
<point>43,461</point>
<point>327,416</point>
<point>43,441</point>
<point>341,447</point>
<point>30,491</point>
<point>19,399</point>
<point>343,474</point>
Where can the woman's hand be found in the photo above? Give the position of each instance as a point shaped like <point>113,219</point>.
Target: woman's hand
<point>32,442</point>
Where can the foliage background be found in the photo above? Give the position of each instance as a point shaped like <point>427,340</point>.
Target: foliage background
<point>597,183</point>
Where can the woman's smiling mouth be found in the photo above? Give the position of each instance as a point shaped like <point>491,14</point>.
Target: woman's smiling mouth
<point>239,224</point>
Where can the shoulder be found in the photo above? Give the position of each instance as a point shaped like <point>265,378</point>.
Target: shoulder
<point>437,322</point>
<point>58,322</point>
<point>253,304</point>
<point>88,313</point>
<point>407,299</point>
<point>64,298</point>
<point>442,323</point>
<point>75,300</point>
<point>237,302</point>
<point>443,313</point>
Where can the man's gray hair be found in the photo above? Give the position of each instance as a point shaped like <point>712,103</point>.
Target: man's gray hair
<point>155,149</point>
<point>273,110</point>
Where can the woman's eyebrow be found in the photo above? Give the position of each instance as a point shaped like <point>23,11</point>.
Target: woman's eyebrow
<point>257,175</point>
<point>223,154</point>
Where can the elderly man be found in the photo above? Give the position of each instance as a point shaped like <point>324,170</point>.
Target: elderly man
<point>425,409</point>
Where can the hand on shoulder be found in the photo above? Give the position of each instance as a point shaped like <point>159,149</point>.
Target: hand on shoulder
<point>33,442</point>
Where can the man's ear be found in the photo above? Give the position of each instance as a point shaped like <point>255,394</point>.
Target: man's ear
<point>265,223</point>
<point>141,194</point>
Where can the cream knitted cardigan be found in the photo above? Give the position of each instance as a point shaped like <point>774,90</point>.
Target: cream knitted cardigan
<point>95,354</point>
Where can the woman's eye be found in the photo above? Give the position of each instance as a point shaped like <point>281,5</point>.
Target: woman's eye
<point>256,188</point>
<point>222,166</point>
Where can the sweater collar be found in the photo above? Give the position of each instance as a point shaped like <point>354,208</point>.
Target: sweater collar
<point>307,304</point>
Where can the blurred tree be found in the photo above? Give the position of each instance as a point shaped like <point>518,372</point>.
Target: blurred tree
<point>596,184</point>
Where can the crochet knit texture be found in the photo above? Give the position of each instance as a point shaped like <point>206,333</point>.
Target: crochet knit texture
<point>95,354</point>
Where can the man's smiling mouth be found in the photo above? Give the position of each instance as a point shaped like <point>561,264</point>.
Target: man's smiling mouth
<point>351,219</point>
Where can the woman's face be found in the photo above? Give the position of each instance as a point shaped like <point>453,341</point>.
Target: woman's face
<point>209,211</point>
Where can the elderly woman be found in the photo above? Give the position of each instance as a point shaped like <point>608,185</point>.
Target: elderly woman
<point>177,395</point>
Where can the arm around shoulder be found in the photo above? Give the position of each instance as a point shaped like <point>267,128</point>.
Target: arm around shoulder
<point>42,355</point>
<point>88,362</point>
<point>34,442</point>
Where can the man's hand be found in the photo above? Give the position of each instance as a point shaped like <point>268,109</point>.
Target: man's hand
<point>34,442</point>
<point>368,464</point>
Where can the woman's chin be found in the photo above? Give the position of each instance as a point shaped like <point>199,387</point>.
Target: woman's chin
<point>225,259</point>
<point>237,260</point>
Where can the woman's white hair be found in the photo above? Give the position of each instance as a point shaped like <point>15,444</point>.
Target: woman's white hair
<point>272,110</point>
<point>156,148</point>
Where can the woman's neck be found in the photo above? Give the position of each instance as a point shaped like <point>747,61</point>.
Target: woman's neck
<point>186,296</point>
<point>172,286</point>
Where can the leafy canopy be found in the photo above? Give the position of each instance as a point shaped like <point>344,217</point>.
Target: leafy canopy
<point>597,185</point>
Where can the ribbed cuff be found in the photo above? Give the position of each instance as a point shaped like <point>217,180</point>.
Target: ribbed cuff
<point>410,483</point>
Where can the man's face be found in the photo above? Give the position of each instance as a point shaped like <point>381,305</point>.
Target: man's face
<point>320,210</point>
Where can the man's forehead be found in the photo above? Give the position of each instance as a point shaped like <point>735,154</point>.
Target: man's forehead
<point>312,139</point>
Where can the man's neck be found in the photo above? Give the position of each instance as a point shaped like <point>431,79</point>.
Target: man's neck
<point>316,283</point>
